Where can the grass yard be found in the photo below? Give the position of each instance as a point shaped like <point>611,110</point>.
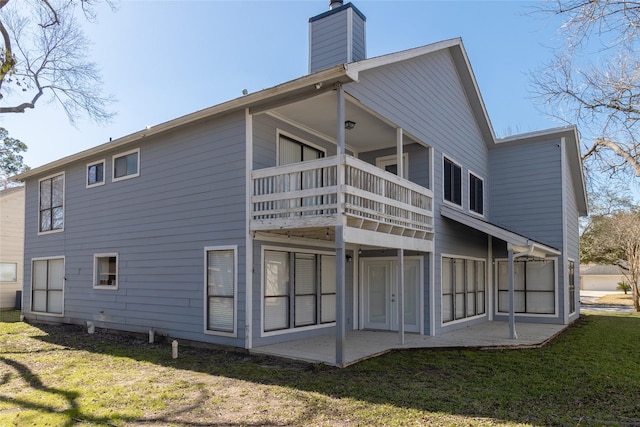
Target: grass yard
<point>61,376</point>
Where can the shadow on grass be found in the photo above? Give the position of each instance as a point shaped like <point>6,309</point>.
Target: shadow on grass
<point>590,375</point>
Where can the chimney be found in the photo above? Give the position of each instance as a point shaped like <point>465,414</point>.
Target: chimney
<point>337,36</point>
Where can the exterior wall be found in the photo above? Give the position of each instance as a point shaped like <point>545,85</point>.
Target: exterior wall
<point>525,190</point>
<point>424,96</point>
<point>12,242</point>
<point>190,195</point>
<point>419,162</point>
<point>336,37</point>
<point>571,236</point>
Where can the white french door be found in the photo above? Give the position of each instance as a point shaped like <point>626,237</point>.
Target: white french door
<point>380,294</point>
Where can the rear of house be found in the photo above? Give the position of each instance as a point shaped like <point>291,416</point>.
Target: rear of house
<point>370,194</point>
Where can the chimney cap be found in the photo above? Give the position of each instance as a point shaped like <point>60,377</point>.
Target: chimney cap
<point>334,3</point>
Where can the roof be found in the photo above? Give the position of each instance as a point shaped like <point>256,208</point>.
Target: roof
<point>601,270</point>
<point>519,243</point>
<point>570,134</point>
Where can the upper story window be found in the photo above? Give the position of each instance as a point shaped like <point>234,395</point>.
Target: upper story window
<point>292,151</point>
<point>51,203</point>
<point>95,173</point>
<point>126,165</point>
<point>476,195</point>
<point>452,180</point>
<point>390,164</point>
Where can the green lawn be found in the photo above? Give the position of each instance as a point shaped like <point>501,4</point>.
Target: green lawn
<point>61,376</point>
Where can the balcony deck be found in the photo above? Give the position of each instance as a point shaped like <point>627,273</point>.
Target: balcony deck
<point>379,208</point>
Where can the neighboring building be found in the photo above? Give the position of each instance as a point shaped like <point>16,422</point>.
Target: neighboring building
<point>288,213</point>
<point>595,277</point>
<point>11,245</point>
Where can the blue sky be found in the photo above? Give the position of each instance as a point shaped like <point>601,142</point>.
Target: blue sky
<point>164,59</point>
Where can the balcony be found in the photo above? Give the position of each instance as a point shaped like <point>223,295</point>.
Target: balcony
<point>379,208</point>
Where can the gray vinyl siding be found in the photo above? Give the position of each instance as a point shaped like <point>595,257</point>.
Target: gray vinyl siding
<point>330,40</point>
<point>419,162</point>
<point>526,190</point>
<point>424,96</point>
<point>190,195</point>
<point>573,234</point>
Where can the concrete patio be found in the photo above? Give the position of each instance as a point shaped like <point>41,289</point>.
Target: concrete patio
<point>361,345</point>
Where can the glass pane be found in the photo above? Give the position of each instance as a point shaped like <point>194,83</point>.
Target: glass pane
<point>411,295</point>
<point>460,313</point>
<point>470,271</point>
<point>503,275</point>
<point>95,173</point>
<point>518,275</point>
<point>39,274</point>
<point>328,274</point>
<point>447,282</point>
<point>57,191</point>
<point>132,164</point>
<point>276,274</point>
<point>309,153</point>
<point>447,312</point>
<point>45,220</point>
<point>276,313</point>
<point>45,194</point>
<point>471,304</point>
<point>8,272</point>
<point>459,266</point>
<point>540,302</point>
<point>305,271</point>
<point>39,301</point>
<point>120,167</point>
<point>540,276</point>
<point>221,314</point>
<point>56,274</point>
<point>328,304</point>
<point>55,302</point>
<point>480,276</point>
<point>57,215</point>
<point>377,303</point>
<point>220,273</point>
<point>481,303</point>
<point>106,271</point>
<point>305,310</point>
<point>290,152</point>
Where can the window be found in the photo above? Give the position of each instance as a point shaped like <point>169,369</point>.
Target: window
<point>95,174</point>
<point>292,151</point>
<point>220,289</point>
<point>534,286</point>
<point>476,198</point>
<point>8,272</point>
<point>126,165</point>
<point>463,288</point>
<point>572,287</point>
<point>452,182</point>
<point>51,195</point>
<point>390,164</point>
<point>47,286</point>
<point>299,289</point>
<point>105,268</point>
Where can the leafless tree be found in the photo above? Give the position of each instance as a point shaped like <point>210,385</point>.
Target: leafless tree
<point>594,81</point>
<point>44,56</point>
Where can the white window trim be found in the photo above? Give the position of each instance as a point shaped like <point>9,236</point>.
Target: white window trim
<point>104,173</point>
<point>486,290</point>
<point>113,165</point>
<point>288,330</point>
<point>233,248</point>
<point>64,203</point>
<point>555,287</point>
<point>462,192</point>
<point>392,159</point>
<point>469,173</point>
<point>297,139</point>
<point>95,271</point>
<point>64,268</point>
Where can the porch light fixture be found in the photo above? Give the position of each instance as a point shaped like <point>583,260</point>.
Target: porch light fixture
<point>348,124</point>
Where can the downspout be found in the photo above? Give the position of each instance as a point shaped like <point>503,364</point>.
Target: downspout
<point>512,315</point>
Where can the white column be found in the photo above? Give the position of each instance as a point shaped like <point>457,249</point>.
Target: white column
<point>340,245</point>
<point>512,315</point>
<point>400,290</point>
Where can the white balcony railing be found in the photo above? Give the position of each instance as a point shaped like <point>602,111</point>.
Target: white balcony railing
<point>306,194</point>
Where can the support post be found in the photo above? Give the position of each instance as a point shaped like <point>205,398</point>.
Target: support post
<point>401,295</point>
<point>340,244</point>
<point>512,316</point>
